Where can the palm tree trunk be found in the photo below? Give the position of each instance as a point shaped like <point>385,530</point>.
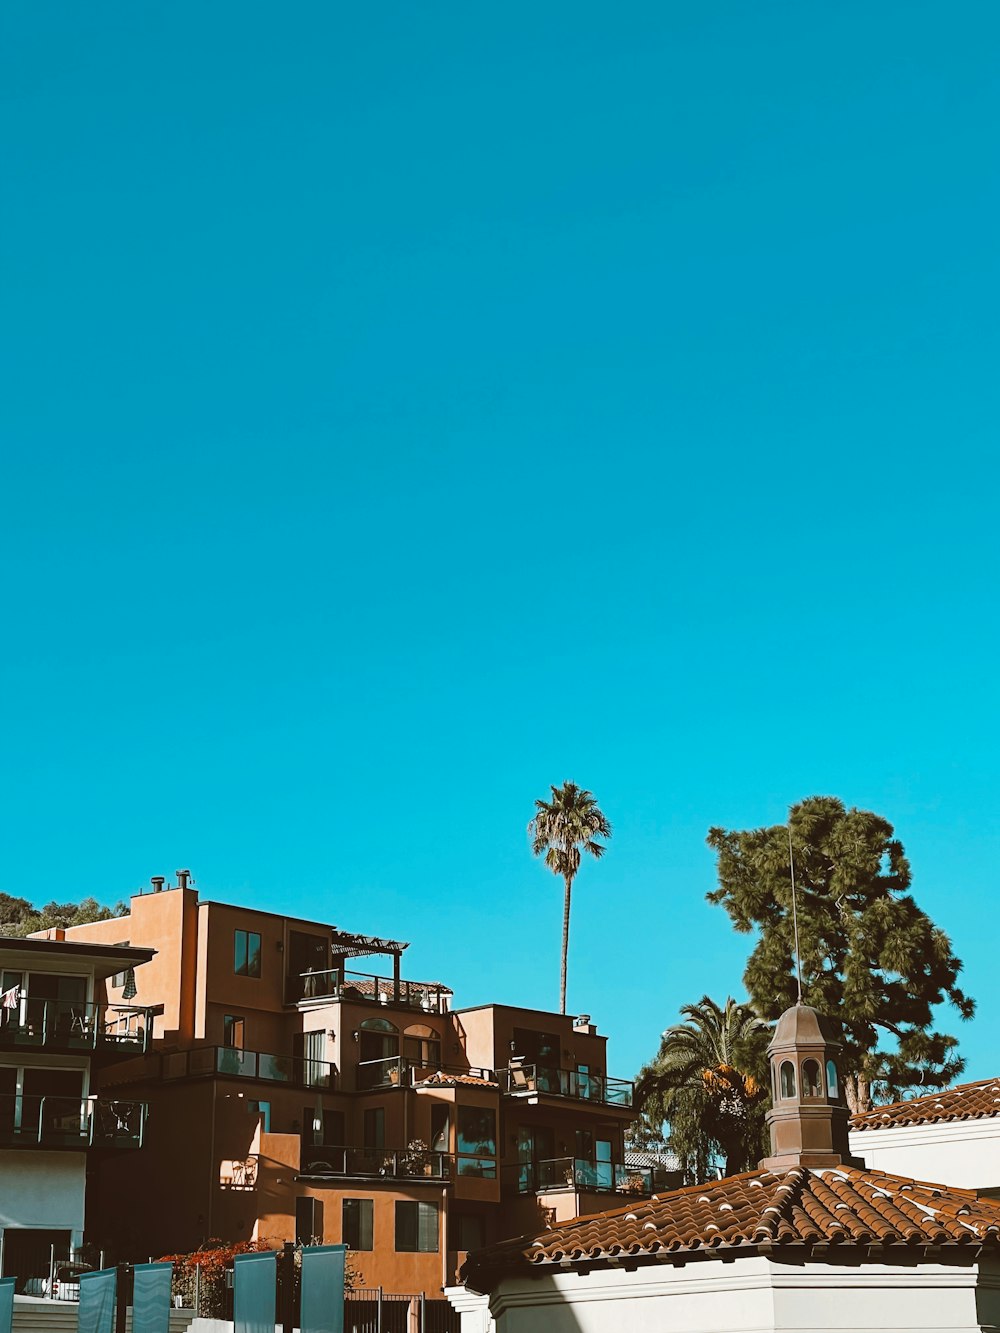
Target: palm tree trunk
<point>565,944</point>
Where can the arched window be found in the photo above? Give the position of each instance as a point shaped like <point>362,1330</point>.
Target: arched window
<point>787,1079</point>
<point>422,1046</point>
<point>812,1079</point>
<point>832,1085</point>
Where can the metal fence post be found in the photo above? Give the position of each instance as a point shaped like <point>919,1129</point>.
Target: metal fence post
<point>197,1289</point>
<point>378,1310</point>
<point>286,1264</point>
<point>423,1312</point>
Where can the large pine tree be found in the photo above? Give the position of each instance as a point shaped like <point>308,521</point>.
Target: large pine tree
<point>872,960</point>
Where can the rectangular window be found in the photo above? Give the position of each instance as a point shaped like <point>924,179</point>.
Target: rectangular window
<point>119,979</point>
<point>470,1231</point>
<point>374,1127</point>
<point>232,1031</point>
<point>359,1224</point>
<point>246,953</point>
<point>441,1127</point>
<point>416,1227</point>
<point>477,1142</point>
<point>308,1221</point>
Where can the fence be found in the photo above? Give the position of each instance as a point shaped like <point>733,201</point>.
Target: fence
<point>372,1310</point>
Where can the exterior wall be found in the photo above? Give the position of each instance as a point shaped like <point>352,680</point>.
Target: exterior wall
<point>43,1189</point>
<point>486,1033</point>
<point>751,1295</point>
<point>960,1152</point>
<point>166,922</point>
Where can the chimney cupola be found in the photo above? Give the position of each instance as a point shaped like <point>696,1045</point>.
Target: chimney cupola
<point>808,1117</point>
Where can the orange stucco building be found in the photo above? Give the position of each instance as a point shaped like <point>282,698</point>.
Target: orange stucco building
<point>292,1097</point>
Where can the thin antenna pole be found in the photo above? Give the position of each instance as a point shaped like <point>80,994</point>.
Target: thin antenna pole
<point>795,918</point>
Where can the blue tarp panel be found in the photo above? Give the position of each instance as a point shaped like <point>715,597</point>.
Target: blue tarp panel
<point>323,1289</point>
<point>6,1304</point>
<point>255,1279</point>
<point>96,1311</point>
<point>151,1298</point>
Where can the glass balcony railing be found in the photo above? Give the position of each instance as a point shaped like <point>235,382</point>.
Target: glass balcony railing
<point>70,1122</point>
<point>258,1065</point>
<point>70,1026</point>
<point>576,1173</point>
<point>583,1087</point>
<point>387,1163</point>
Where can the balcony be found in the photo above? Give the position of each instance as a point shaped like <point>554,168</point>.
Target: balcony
<point>257,1065</point>
<point>69,1122</point>
<point>576,1173</point>
<point>63,1025</point>
<point>535,1080</point>
<point>337,985</point>
<point>376,1163</point>
<point>396,1071</point>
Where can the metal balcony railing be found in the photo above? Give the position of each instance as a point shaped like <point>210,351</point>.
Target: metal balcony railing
<point>387,1163</point>
<point>577,1173</point>
<point>70,1122</point>
<point>68,1025</point>
<point>521,1079</point>
<point>336,985</point>
<point>259,1065</point>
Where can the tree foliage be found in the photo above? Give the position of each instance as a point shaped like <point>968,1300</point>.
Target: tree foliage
<point>709,1081</point>
<point>18,917</point>
<point>872,960</point>
<point>563,829</point>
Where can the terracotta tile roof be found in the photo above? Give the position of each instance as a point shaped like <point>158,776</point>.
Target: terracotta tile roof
<point>967,1101</point>
<point>374,985</point>
<point>440,1079</point>
<point>812,1210</point>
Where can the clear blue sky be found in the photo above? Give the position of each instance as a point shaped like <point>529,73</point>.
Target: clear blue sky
<point>407,407</point>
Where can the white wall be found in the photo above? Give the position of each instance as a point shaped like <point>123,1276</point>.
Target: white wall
<point>43,1189</point>
<point>751,1295</point>
<point>965,1153</point>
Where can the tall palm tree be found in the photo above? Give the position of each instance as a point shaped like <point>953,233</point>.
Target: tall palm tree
<point>708,1080</point>
<point>564,828</point>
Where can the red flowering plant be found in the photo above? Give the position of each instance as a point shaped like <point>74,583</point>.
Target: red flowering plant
<point>200,1278</point>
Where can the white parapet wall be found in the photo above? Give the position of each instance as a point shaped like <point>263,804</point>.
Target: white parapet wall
<point>965,1153</point>
<point>43,1189</point>
<point>751,1295</point>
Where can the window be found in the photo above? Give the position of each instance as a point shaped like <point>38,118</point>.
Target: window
<point>832,1085</point>
<point>416,1227</point>
<point>441,1127</point>
<point>477,1142</point>
<point>315,1073</point>
<point>232,1031</point>
<point>422,1046</point>
<point>308,1220</point>
<point>246,953</point>
<point>812,1080</point>
<point>374,1127</point>
<point>119,979</point>
<point>359,1229</point>
<point>787,1079</point>
<point>262,1112</point>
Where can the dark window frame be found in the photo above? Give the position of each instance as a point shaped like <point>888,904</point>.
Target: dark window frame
<point>361,1227</point>
<point>246,955</point>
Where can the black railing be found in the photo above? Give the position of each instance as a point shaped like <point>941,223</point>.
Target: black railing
<point>70,1122</point>
<point>583,1087</point>
<point>391,1163</point>
<point>339,985</point>
<point>258,1065</point>
<point>67,1025</point>
<point>577,1173</point>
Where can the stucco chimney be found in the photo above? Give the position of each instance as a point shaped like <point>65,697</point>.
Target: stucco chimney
<point>157,883</point>
<point>183,876</point>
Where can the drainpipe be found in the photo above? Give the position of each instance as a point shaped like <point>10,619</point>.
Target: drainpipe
<point>444,1237</point>
<point>211,1164</point>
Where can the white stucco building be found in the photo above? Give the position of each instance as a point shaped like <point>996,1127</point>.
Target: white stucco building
<point>815,1239</point>
<point>952,1135</point>
<point>56,1033</point>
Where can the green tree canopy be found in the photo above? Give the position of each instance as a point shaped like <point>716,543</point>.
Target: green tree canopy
<point>563,829</point>
<point>872,960</point>
<point>18,917</point>
<point>709,1081</point>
